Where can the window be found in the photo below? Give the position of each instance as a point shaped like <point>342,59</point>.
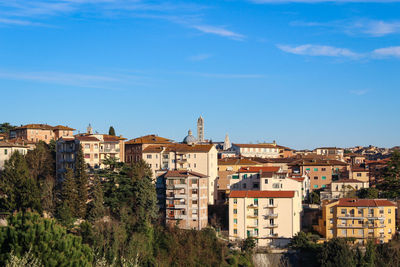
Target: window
<point>235,176</point>
<point>244,185</point>
<point>194,165</point>
<point>315,169</point>
<point>255,201</point>
<point>308,169</point>
<point>256,213</point>
<point>235,231</point>
<point>194,202</point>
<point>234,211</point>
<point>331,210</point>
<point>256,231</point>
<point>344,232</point>
<point>235,201</point>
<point>323,169</point>
<point>87,156</point>
<point>358,174</point>
<point>235,221</point>
<point>275,185</point>
<point>389,211</point>
<point>87,146</point>
<point>315,177</point>
<point>5,151</point>
<point>323,186</point>
<point>194,156</point>
<point>148,156</point>
<point>255,185</point>
<point>331,221</point>
<point>323,177</point>
<point>194,191</point>
<point>343,211</point>
<point>266,181</point>
<point>96,156</point>
<point>315,186</point>
<point>271,201</point>
<point>244,176</point>
<point>331,232</point>
<point>389,221</point>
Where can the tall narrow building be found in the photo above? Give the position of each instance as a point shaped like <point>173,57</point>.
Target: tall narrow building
<point>227,143</point>
<point>200,129</point>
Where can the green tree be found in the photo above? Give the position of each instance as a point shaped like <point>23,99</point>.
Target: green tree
<point>369,258</point>
<point>48,241</point>
<point>337,252</point>
<point>370,193</point>
<point>19,190</point>
<point>82,182</point>
<point>6,127</point>
<point>69,206</point>
<point>96,206</point>
<point>248,244</point>
<point>111,131</point>
<point>41,166</point>
<point>393,169</point>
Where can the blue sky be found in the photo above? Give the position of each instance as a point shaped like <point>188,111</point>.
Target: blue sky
<point>305,73</point>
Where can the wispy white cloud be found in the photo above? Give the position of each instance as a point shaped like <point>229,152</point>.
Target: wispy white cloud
<point>224,75</point>
<point>199,57</point>
<point>393,51</point>
<point>358,92</point>
<point>374,28</point>
<point>71,79</point>
<point>218,31</point>
<point>319,50</point>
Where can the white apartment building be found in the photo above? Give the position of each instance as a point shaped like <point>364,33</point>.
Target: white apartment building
<point>257,150</point>
<point>271,217</point>
<point>7,149</point>
<point>199,158</point>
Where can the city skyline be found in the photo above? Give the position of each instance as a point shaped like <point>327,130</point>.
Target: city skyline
<point>306,73</point>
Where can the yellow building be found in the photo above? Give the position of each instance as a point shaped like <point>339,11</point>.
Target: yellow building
<point>362,219</point>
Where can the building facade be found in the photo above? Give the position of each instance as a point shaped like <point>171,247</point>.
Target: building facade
<point>134,147</point>
<point>257,150</point>
<point>182,195</point>
<point>362,219</point>
<point>41,132</point>
<point>271,217</point>
<point>7,149</point>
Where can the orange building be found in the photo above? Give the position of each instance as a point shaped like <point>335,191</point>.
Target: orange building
<point>41,132</point>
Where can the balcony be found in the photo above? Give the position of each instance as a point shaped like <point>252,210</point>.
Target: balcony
<point>252,226</point>
<point>109,150</point>
<point>194,186</point>
<point>180,185</point>
<point>180,206</point>
<point>252,216</point>
<point>180,196</point>
<point>252,206</point>
<point>273,225</point>
<point>350,216</point>
<point>274,205</point>
<point>271,215</point>
<point>272,235</point>
<point>176,186</point>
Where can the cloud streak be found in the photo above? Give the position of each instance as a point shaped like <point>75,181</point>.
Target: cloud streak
<point>220,31</point>
<point>318,50</point>
<point>393,51</point>
<point>199,57</point>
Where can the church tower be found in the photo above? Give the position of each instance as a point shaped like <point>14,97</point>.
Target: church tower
<point>200,129</point>
<point>227,143</point>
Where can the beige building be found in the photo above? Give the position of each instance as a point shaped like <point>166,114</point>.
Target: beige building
<point>362,219</point>
<point>7,149</point>
<point>135,147</point>
<point>271,217</point>
<point>195,157</point>
<point>183,196</point>
<point>95,147</point>
<point>257,150</point>
<point>359,173</point>
<point>330,152</point>
<point>41,132</point>
<point>345,187</point>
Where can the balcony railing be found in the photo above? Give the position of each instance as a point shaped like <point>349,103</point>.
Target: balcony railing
<point>252,216</point>
<point>252,206</point>
<point>273,225</point>
<point>271,215</point>
<point>272,235</point>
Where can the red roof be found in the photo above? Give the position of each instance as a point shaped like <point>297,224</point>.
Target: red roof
<point>262,194</point>
<point>183,173</point>
<point>87,138</point>
<point>353,202</point>
<point>258,169</point>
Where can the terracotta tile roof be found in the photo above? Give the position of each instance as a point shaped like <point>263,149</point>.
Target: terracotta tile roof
<point>183,173</point>
<point>86,138</point>
<point>347,181</point>
<point>112,138</point>
<point>262,194</point>
<point>236,161</point>
<point>359,169</point>
<point>256,145</point>
<point>353,202</point>
<point>188,148</point>
<point>45,127</point>
<point>9,144</point>
<point>259,169</point>
<point>61,127</point>
<point>149,139</point>
<point>152,149</point>
<point>318,162</point>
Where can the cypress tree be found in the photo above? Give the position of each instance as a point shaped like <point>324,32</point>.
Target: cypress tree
<point>111,131</point>
<point>81,179</point>
<point>96,206</point>
<point>68,209</point>
<point>20,191</point>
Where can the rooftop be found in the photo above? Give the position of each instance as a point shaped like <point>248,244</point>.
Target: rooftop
<point>183,173</point>
<point>353,202</point>
<point>261,194</point>
<point>149,139</point>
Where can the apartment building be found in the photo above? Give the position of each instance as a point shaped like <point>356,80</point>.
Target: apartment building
<point>271,217</point>
<point>134,147</point>
<point>95,147</point>
<point>195,157</point>
<point>330,152</point>
<point>183,196</point>
<point>234,164</point>
<point>267,178</point>
<point>354,159</point>
<point>7,149</point>
<point>41,132</point>
<point>257,150</point>
<point>321,171</point>
<point>362,219</point>
<point>359,173</point>
<point>342,188</point>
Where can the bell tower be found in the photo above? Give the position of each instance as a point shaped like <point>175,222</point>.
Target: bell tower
<point>200,129</point>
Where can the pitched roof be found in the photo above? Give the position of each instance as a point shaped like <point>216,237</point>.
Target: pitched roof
<point>61,127</point>
<point>8,144</point>
<point>256,145</point>
<point>86,138</point>
<point>183,173</point>
<point>149,139</point>
<point>153,149</point>
<point>353,202</point>
<point>112,138</point>
<point>318,162</point>
<point>259,169</point>
<point>189,148</point>
<point>261,194</point>
<point>236,161</point>
<point>45,127</point>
